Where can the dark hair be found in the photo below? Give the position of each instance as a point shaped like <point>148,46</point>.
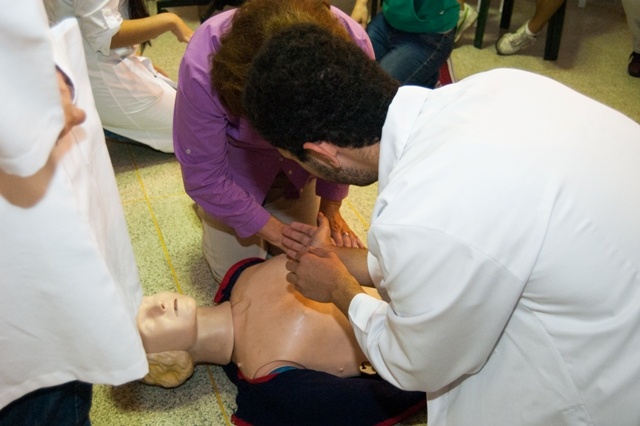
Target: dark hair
<point>306,85</point>
<point>137,10</point>
<point>252,24</point>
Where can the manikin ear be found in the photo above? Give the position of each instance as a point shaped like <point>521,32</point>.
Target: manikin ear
<point>325,152</point>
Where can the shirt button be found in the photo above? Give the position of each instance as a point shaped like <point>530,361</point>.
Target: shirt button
<point>290,172</point>
<point>188,151</point>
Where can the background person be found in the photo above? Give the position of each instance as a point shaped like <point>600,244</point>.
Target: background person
<point>133,99</point>
<point>69,280</point>
<point>413,39</point>
<point>244,189</point>
<point>509,259</point>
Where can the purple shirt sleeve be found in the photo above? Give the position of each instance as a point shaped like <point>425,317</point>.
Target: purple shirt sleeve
<point>227,168</point>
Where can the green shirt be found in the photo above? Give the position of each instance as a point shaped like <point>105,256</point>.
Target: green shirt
<point>421,16</point>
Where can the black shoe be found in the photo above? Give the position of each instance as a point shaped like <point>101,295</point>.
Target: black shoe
<point>634,64</point>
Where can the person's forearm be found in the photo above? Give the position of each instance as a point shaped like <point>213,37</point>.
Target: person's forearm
<point>272,232</point>
<point>355,259</point>
<point>136,31</point>
<point>343,296</point>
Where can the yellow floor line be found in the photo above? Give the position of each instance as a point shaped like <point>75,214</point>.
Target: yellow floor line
<point>175,276</point>
<point>156,224</point>
<point>218,397</point>
<point>359,216</point>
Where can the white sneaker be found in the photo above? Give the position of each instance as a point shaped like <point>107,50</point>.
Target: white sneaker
<point>467,17</point>
<point>511,43</point>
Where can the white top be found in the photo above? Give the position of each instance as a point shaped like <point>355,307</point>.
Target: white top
<point>69,282</point>
<point>507,236</point>
<point>133,100</point>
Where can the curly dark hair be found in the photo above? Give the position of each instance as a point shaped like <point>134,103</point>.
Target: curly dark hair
<point>307,85</point>
<point>252,24</point>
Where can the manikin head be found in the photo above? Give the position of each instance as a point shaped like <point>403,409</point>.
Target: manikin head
<point>167,323</point>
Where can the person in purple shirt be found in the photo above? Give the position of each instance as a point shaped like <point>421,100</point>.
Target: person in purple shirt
<point>245,190</point>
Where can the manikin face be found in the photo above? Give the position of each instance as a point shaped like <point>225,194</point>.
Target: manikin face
<point>167,322</point>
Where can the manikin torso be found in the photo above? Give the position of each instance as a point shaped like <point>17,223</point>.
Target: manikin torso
<point>274,326</point>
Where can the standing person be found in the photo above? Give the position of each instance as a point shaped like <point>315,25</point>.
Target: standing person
<point>510,257</point>
<point>632,10</point>
<point>413,39</point>
<point>245,190</point>
<point>70,286</point>
<point>134,99</point>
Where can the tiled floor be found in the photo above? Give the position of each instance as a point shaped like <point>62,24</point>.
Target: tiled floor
<point>166,232</point>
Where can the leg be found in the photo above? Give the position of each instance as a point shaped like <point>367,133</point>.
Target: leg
<point>135,102</point>
<point>416,58</point>
<point>222,247</point>
<point>379,32</point>
<point>632,10</point>
<point>66,404</point>
<point>544,11</point>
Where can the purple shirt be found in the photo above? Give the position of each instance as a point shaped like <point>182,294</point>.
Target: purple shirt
<point>227,168</point>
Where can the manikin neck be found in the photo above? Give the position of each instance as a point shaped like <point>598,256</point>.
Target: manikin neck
<point>215,335</point>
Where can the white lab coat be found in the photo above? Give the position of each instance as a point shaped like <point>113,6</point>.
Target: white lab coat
<point>69,282</point>
<point>507,237</point>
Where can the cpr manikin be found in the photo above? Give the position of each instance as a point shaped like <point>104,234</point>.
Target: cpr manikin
<point>293,360</point>
<point>265,326</point>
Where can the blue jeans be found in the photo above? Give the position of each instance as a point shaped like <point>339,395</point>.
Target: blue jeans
<point>410,58</point>
<point>63,405</point>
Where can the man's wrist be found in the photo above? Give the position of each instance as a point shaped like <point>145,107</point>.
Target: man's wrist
<point>344,294</point>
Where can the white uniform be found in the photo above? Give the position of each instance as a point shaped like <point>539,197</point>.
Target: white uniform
<point>69,282</point>
<point>133,100</point>
<point>507,236</point>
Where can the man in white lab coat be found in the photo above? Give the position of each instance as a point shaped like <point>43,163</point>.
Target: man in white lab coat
<point>505,233</point>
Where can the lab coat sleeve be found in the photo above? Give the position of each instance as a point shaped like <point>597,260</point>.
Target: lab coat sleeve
<point>32,116</point>
<point>448,304</point>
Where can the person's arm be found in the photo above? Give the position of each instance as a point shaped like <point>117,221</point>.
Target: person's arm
<point>360,13</point>
<point>341,233</point>
<point>320,275</point>
<point>202,145</point>
<point>298,237</point>
<point>136,31</point>
<point>30,92</point>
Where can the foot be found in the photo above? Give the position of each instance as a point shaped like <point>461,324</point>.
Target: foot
<point>511,43</point>
<point>634,64</point>
<point>467,17</point>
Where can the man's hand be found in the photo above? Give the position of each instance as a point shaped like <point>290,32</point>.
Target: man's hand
<point>298,236</point>
<point>319,275</point>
